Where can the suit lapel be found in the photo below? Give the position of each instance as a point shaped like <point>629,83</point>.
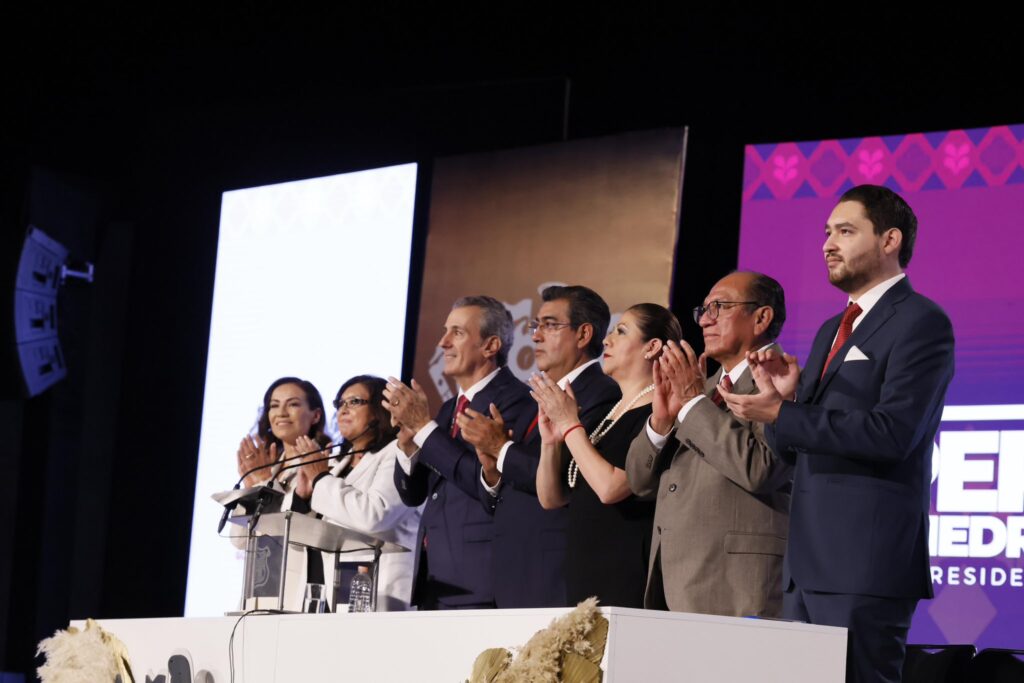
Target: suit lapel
<point>583,382</point>
<point>480,403</point>
<point>445,415</point>
<point>816,360</point>
<point>744,385</point>
<point>711,383</point>
<point>879,314</point>
<point>486,396</point>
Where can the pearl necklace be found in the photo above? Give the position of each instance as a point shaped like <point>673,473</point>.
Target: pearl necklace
<point>599,433</point>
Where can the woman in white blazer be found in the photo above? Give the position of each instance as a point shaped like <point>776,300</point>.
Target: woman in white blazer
<point>359,491</point>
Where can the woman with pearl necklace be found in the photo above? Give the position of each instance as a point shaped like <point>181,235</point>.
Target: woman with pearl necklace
<point>609,529</point>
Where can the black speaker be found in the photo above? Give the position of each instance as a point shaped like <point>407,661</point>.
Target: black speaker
<point>39,276</point>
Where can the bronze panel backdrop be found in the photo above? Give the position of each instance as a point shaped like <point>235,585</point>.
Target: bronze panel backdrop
<point>600,212</point>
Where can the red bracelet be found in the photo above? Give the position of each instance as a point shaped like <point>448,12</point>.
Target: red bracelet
<point>578,425</point>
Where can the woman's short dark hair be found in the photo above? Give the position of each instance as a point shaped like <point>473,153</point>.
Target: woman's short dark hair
<point>313,400</point>
<point>656,322</point>
<point>380,419</point>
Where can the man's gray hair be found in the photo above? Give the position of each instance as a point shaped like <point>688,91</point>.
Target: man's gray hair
<point>497,322</point>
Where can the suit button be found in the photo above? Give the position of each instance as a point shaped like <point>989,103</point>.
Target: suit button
<point>672,488</point>
<point>434,496</point>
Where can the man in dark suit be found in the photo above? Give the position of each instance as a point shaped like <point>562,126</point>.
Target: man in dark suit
<point>529,541</point>
<point>861,430</point>
<point>722,496</point>
<point>441,469</point>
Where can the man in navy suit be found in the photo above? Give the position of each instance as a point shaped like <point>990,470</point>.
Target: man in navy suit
<point>529,541</point>
<point>441,469</point>
<point>861,430</point>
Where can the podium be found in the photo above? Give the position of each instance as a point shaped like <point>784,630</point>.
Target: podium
<point>643,645</point>
<point>303,531</point>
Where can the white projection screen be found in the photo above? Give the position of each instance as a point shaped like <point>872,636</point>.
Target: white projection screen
<point>311,281</point>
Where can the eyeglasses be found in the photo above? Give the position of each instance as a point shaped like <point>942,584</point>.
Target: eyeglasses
<point>715,307</point>
<point>351,403</point>
<point>546,325</point>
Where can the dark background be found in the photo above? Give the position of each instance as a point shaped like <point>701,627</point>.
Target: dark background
<point>119,131</point>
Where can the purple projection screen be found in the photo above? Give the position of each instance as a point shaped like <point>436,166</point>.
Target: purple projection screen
<point>967,189</point>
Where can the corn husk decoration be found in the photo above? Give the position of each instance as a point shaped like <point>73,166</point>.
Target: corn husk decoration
<point>569,650</point>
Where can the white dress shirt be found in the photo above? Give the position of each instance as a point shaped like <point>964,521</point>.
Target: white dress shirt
<point>562,384</point>
<point>658,440</point>
<point>869,298</point>
<point>407,462</point>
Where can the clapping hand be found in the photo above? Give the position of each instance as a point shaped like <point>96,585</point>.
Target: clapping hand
<point>312,465</point>
<point>780,369</point>
<point>761,407</point>
<point>679,376</point>
<point>487,435</point>
<point>407,405</point>
<point>558,406</point>
<point>548,433</point>
<point>253,453</point>
<point>405,438</point>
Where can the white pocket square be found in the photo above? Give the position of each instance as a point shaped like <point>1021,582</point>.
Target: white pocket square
<point>855,354</point>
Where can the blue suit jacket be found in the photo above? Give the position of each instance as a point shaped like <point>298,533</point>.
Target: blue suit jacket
<point>529,549</point>
<point>446,476</point>
<point>862,438</point>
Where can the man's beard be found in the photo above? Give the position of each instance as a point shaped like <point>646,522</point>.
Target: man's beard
<point>849,280</point>
<point>846,280</point>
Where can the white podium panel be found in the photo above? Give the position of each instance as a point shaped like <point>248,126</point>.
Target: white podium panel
<point>441,646</point>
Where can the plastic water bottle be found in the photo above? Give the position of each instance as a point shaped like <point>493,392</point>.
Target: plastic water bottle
<point>360,592</point>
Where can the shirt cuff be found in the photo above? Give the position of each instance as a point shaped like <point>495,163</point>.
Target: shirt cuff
<point>407,462</point>
<point>425,431</point>
<point>657,440</point>
<point>687,407</point>
<point>493,490</point>
<point>501,456</point>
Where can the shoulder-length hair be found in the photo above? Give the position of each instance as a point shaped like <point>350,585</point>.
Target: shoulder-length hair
<point>313,399</point>
<point>380,419</point>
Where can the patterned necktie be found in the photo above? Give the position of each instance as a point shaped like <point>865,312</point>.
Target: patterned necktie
<point>845,329</point>
<point>716,396</point>
<point>460,408</point>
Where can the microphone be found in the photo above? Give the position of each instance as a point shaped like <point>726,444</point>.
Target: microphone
<point>283,460</point>
<point>328,457</point>
<point>231,506</point>
<point>238,484</point>
<point>227,513</point>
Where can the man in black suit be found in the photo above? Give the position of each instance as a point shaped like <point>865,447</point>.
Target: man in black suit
<point>861,431</point>
<point>529,541</point>
<point>441,469</point>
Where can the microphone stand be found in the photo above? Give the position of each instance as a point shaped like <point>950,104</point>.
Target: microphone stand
<point>238,484</point>
<point>264,494</point>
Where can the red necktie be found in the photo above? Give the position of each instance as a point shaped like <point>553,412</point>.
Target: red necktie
<point>845,329</point>
<point>460,408</point>
<point>533,425</point>
<point>716,396</point>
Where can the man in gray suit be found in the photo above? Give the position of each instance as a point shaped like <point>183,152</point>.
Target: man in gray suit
<point>722,495</point>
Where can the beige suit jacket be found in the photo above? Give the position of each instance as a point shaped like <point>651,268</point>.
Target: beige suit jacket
<point>722,512</point>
